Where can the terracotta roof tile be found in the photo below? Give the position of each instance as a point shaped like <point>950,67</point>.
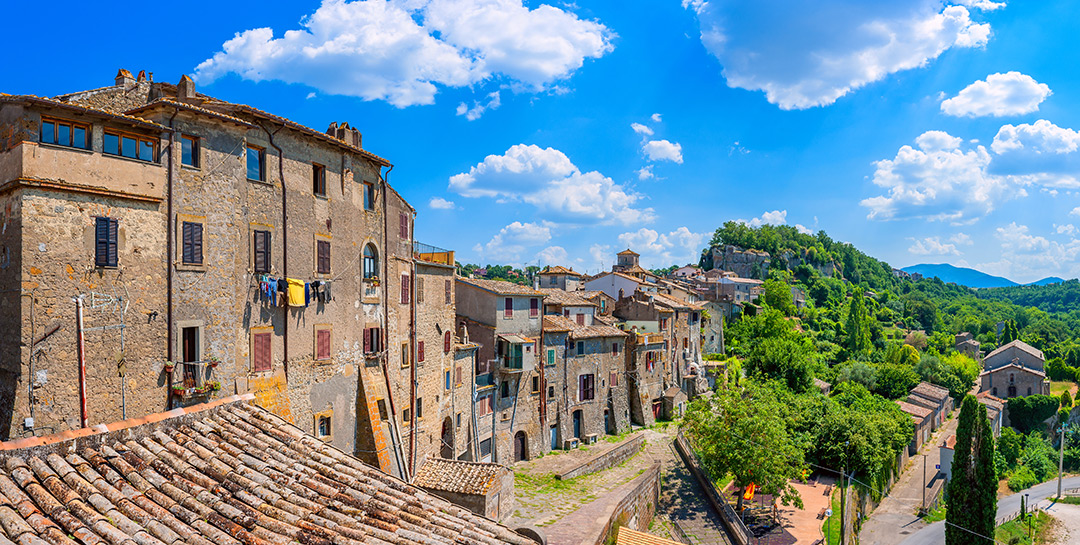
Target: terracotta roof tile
<point>458,476</point>
<point>557,269</point>
<point>1021,345</point>
<point>501,287</point>
<point>931,391</point>
<point>81,108</point>
<point>565,298</point>
<point>231,474</point>
<point>914,410</point>
<point>190,107</point>
<point>627,536</point>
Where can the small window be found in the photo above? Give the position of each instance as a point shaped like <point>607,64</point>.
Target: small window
<point>323,428</point>
<point>260,351</point>
<point>419,408</point>
<point>322,265</point>
<point>508,307</point>
<point>404,289</point>
<point>535,385</point>
<point>105,242</point>
<point>483,406</point>
<point>580,318</point>
<point>446,379</point>
<point>419,290</point>
<point>65,133</point>
<point>130,145</point>
<point>615,349</point>
<point>406,415</point>
<point>663,324</point>
<point>262,251</point>
<point>419,351</point>
<point>369,196</point>
<point>551,356</point>
<point>448,296</point>
<point>447,341</point>
<point>485,448</point>
<point>458,423</point>
<point>256,163</point>
<point>534,307</point>
<point>381,403</point>
<point>505,391</point>
<point>457,375</point>
<point>322,344</point>
<point>318,179</point>
<point>189,151</point>
<point>613,379</point>
<point>403,225</point>
<point>192,243</point>
<point>372,340</point>
<point>405,360</point>
<point>586,387</point>
<point>551,392</point>
<point>371,262</point>
<point>581,347</point>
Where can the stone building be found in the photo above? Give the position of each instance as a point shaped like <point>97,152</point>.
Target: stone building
<point>966,344</point>
<point>217,248</point>
<point>1016,369</point>
<point>505,319</point>
<point>648,371</point>
<point>484,489</point>
<point>558,277</point>
<point>744,263</point>
<point>569,304</point>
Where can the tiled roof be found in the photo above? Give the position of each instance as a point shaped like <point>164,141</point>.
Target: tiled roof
<point>914,410</point>
<point>565,298</point>
<point>500,287</point>
<point>190,107</point>
<point>1013,366</point>
<point>632,537</point>
<point>458,476</point>
<point>138,121</point>
<point>117,98</point>
<point>949,442</point>
<point>230,474</point>
<point>1020,345</point>
<point>554,322</point>
<point>557,269</point>
<point>986,398</point>
<point>636,269</point>
<point>670,301</point>
<point>931,391</point>
<point>627,251</point>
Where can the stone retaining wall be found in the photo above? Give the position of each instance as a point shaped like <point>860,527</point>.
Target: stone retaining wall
<point>608,459</point>
<point>736,529</point>
<point>632,505</point>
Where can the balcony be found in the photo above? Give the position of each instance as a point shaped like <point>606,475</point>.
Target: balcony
<point>432,254</point>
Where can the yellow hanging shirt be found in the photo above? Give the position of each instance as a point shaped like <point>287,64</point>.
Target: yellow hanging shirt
<point>296,292</point>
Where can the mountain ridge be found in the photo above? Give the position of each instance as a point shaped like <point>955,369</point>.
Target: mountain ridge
<point>972,278</point>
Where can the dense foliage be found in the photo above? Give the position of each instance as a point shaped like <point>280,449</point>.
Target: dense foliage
<point>972,487</point>
<point>1028,413</point>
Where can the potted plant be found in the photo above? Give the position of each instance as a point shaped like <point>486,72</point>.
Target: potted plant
<point>214,386</point>
<point>178,390</point>
<point>213,362</point>
<point>169,366</point>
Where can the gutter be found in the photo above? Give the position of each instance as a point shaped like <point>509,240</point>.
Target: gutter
<point>284,247</point>
<point>170,250</point>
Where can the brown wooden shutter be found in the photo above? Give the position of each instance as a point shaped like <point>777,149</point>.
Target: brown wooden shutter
<point>403,220</point>
<point>323,265</point>
<point>322,344</point>
<point>261,357</point>
<point>534,307</point>
<point>446,342</point>
<point>367,340</point>
<point>446,287</point>
<point>457,375</point>
<point>508,307</point>
<point>262,251</point>
<point>419,351</point>
<point>404,289</point>
<point>580,319</point>
<point>419,289</point>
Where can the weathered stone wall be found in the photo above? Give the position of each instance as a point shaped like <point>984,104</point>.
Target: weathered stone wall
<point>606,460</point>
<point>608,410</point>
<point>747,264</point>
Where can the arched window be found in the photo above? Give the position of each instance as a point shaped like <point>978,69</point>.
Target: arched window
<point>371,262</point>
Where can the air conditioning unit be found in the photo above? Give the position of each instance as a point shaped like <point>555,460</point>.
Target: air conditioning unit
<point>505,415</point>
<point>570,444</point>
<point>590,439</point>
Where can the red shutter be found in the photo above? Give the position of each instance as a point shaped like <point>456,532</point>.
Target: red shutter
<point>446,342</point>
<point>580,319</point>
<point>419,351</point>
<point>403,220</point>
<point>322,342</point>
<point>615,349</point>
<point>367,340</point>
<point>261,352</point>
<point>534,307</point>
<point>457,373</point>
<point>404,289</point>
<point>508,307</point>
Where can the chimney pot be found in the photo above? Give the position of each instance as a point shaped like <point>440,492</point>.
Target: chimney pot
<point>142,76</point>
<point>356,138</point>
<point>332,129</point>
<point>186,88</point>
<point>124,78</point>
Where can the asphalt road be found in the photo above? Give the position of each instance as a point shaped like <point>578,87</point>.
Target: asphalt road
<point>1007,506</point>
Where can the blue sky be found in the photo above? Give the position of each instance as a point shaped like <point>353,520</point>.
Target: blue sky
<point>543,133</point>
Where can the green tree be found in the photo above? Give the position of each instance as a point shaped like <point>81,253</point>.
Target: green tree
<point>787,358</point>
<point>858,326</point>
<point>778,296</point>
<point>973,487</point>
<point>1009,445</point>
<point>859,372</point>
<point>744,432</point>
<point>895,380</point>
<point>1066,400</point>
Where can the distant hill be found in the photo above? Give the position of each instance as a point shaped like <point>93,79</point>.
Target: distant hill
<point>1046,281</point>
<point>964,276</point>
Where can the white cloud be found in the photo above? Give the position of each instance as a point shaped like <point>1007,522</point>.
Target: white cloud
<point>1026,257</point>
<point>807,54</point>
<point>601,255</point>
<point>401,51</point>
<point>680,246</point>
<point>1011,93</point>
<point>656,118</point>
<point>932,246</point>
<point>511,241</point>
<point>663,150</point>
<point>478,108</point>
<point>1039,152</point>
<point>961,239</point>
<point>439,203</point>
<point>985,5</point>
<point>1067,229</point>
<point>1075,211</point>
<point>938,181</point>
<point>641,129</point>
<point>803,229</point>
<point>645,172</point>
<point>776,217</point>
<point>547,179</point>
<point>552,255</point>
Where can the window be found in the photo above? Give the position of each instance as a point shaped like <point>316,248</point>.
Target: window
<point>262,251</point>
<point>419,290</point>
<point>260,351</point>
<point>419,408</point>
<point>534,307</point>
<point>586,387</point>
<point>322,344</point>
<point>483,406</point>
<point>369,196</point>
<point>551,392</point>
<point>580,319</point>
<point>256,163</point>
<point>448,296</point>
<point>404,289</point>
<point>613,379</point>
<point>446,377</point>
<point>457,375</point>
<point>551,356</point>
<point>553,281</point>
<point>458,423</point>
<point>372,340</point>
<point>685,343</point>
<point>508,307</point>
<point>485,448</point>
<point>406,415</point>
<point>505,391</point>
<point>419,351</point>
<point>614,349</point>
<point>381,403</point>
<point>189,151</point>
<point>404,354</point>
<point>603,305</point>
<point>130,145</point>
<point>650,361</point>
<point>65,133</point>
<point>318,179</point>
<point>192,240</point>
<point>322,250</point>
<point>403,225</point>
<point>581,347</point>
<point>663,324</point>
<point>447,338</point>
<point>371,262</point>
<point>105,242</point>
<point>535,385</point>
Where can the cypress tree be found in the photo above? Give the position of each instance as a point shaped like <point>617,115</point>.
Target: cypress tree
<point>973,488</point>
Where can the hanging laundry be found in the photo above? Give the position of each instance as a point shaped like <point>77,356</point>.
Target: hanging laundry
<point>296,292</point>
<point>324,292</point>
<point>308,289</point>
<point>283,290</point>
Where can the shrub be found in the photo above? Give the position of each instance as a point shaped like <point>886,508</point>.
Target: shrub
<point>1021,479</point>
<point>1066,399</point>
<point>1028,413</point>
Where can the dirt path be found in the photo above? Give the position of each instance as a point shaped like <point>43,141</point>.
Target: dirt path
<point>1068,529</point>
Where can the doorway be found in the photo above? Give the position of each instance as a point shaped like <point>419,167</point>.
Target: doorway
<point>447,451</point>
<point>521,447</point>
<point>554,437</point>
<point>577,424</point>
<point>189,339</point>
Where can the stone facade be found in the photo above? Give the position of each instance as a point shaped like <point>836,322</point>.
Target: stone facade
<point>744,263</point>
<point>648,374</point>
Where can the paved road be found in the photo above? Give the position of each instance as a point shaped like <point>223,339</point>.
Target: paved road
<point>934,534</point>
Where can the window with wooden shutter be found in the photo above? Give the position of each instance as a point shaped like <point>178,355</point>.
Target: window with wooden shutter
<point>446,288</point>
<point>318,179</point>
<point>322,344</point>
<point>508,307</point>
<point>260,351</point>
<point>404,289</point>
<point>105,242</point>
<point>403,225</point>
<point>457,375</point>
<point>192,234</point>
<point>615,349</point>
<point>419,290</point>
<point>323,257</point>
<point>367,340</point>
<point>580,319</point>
<point>614,379</point>
<point>446,341</point>
<point>419,351</point>
<point>534,307</point>
<point>262,251</point>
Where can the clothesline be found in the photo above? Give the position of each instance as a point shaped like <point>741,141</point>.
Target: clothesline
<point>292,292</point>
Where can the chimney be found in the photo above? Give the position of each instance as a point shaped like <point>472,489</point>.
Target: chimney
<point>186,88</point>
<point>332,129</point>
<point>342,131</point>
<point>124,78</point>
<point>356,138</point>
<point>142,76</point>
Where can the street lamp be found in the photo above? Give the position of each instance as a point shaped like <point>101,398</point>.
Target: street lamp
<point>1027,500</point>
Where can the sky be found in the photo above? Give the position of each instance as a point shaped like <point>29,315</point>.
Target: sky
<point>547,132</point>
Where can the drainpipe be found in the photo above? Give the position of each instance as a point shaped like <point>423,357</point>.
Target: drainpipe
<point>284,247</point>
<point>82,360</point>
<point>412,348</point>
<point>30,362</point>
<point>169,245</point>
<point>394,439</point>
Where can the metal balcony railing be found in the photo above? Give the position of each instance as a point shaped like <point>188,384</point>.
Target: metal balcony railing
<point>432,254</point>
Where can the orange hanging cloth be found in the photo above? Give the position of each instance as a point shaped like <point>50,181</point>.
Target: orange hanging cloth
<point>749,494</point>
